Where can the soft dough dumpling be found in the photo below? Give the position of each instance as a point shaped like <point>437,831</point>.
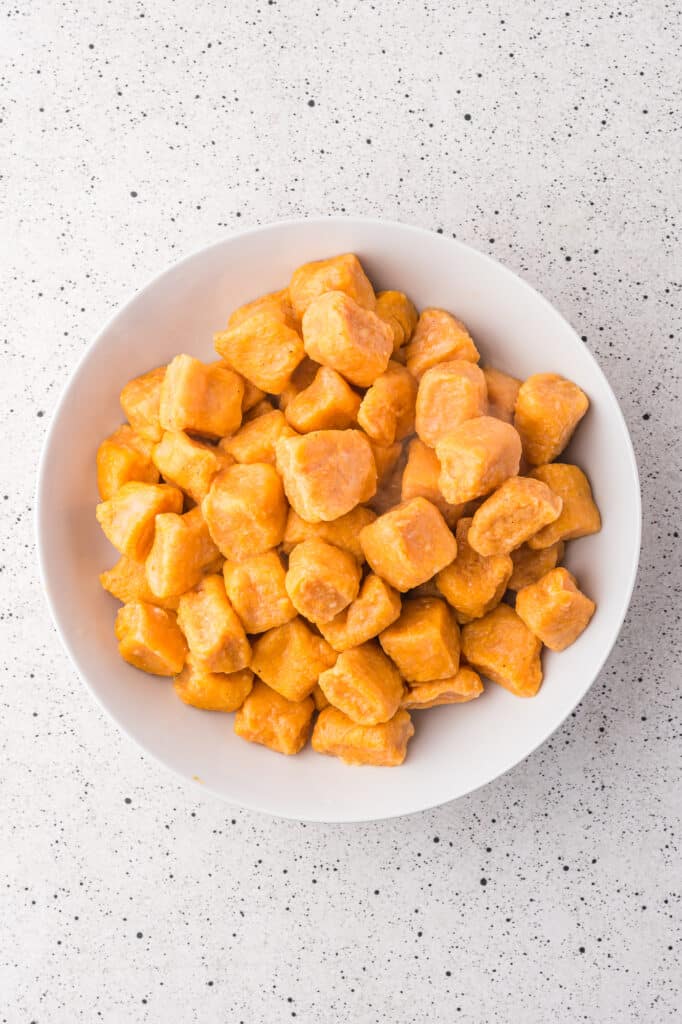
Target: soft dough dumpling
<point>476,457</point>
<point>321,580</point>
<point>400,315</point>
<point>501,647</point>
<point>449,393</point>
<point>387,410</point>
<point>409,544</point>
<point>212,691</point>
<point>339,333</point>
<point>268,718</point>
<point>579,515</point>
<point>383,745</point>
<point>342,273</point>
<point>255,586</point>
<point>438,336</point>
<point>150,639</point>
<point>376,607</point>
<point>510,516</point>
<point>326,473</point>
<point>424,642</point>
<point>473,584</point>
<point>364,684</point>
<point>246,510</point>
<point>548,409</point>
<point>554,609</point>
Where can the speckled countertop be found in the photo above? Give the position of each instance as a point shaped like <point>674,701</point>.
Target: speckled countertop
<point>133,133</point>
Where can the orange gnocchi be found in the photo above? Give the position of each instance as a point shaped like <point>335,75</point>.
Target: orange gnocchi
<point>364,684</point>
<point>449,394</point>
<point>339,333</point>
<point>326,473</point>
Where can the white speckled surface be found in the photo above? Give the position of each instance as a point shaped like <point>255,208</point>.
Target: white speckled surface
<point>134,133</point>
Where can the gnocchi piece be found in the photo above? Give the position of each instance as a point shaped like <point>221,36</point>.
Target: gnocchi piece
<point>373,610</point>
<point>449,393</point>
<point>263,348</point>
<point>255,441</point>
<point>290,659</point>
<point>149,639</point>
<point>420,479</point>
<point>579,515</point>
<point>267,718</point>
<point>339,333</point>
<point>339,274</point>
<point>128,518</point>
<point>409,544</point>
<point>513,514</point>
<point>188,464</point>
<point>301,378</point>
<point>464,686</point>
<point>278,304</point>
<point>502,393</point>
<point>212,691</point>
<point>245,510</point>
<point>473,584</point>
<point>548,409</point>
<point>200,398</point>
<point>214,633</point>
<point>321,580</point>
<point>124,457</point>
<point>437,338</point>
<point>501,647</point>
<point>424,642</point>
<point>257,591</point>
<point>476,457</point>
<point>399,313</point>
<point>530,565</point>
<point>342,532</point>
<point>364,684</point>
<point>383,745</point>
<point>127,582</point>
<point>326,473</point>
<point>181,554</point>
<point>319,698</point>
<point>261,408</point>
<point>554,609</point>
<point>140,401</point>
<point>386,412</point>
<point>252,397</point>
<point>328,403</point>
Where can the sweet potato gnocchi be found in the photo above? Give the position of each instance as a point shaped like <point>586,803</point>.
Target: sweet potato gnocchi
<point>318,530</point>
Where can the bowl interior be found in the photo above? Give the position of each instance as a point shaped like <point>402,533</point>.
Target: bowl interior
<point>455,749</point>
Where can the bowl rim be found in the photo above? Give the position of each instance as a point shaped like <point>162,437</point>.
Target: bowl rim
<point>39,517</point>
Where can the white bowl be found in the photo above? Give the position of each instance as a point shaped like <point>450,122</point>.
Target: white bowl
<point>455,749</point>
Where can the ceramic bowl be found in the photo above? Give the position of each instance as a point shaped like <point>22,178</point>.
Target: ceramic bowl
<point>455,749</point>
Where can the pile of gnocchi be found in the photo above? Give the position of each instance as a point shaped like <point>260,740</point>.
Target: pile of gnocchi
<point>343,519</point>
